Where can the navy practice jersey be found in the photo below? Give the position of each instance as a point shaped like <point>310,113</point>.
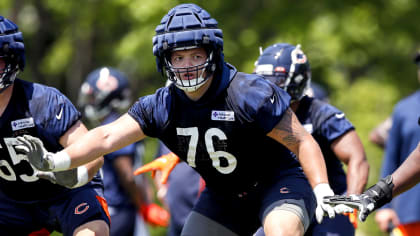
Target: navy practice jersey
<point>42,112</point>
<point>326,123</point>
<point>223,135</point>
<point>115,194</point>
<point>184,188</point>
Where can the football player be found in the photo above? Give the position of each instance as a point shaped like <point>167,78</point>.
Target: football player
<point>104,94</point>
<point>33,201</point>
<point>288,67</point>
<point>235,129</point>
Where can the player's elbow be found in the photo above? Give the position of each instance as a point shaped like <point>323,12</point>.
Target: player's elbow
<point>104,137</point>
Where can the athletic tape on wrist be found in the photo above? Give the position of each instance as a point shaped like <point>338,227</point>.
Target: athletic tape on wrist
<point>61,161</point>
<point>82,176</point>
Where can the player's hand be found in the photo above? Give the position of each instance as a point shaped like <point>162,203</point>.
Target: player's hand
<point>373,198</point>
<point>37,155</point>
<point>68,178</point>
<point>165,163</point>
<point>322,190</point>
<point>155,215</point>
<point>363,202</point>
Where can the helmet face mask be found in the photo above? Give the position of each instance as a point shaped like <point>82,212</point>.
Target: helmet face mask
<point>286,66</point>
<point>8,72</point>
<point>190,78</point>
<point>185,27</point>
<point>12,52</point>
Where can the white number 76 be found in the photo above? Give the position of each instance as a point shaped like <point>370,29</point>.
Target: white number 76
<point>214,155</point>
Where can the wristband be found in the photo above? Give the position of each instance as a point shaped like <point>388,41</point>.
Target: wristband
<point>61,161</point>
<point>82,176</point>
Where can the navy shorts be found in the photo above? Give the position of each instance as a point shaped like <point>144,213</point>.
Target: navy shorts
<point>243,214</point>
<point>340,225</point>
<point>63,214</point>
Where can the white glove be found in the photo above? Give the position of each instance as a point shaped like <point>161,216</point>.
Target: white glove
<point>323,190</point>
<point>68,178</point>
<point>39,157</point>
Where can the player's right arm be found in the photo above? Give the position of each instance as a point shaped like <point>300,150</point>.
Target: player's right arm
<point>104,139</point>
<point>95,143</point>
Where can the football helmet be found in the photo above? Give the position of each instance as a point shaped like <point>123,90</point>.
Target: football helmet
<point>286,66</point>
<point>12,51</point>
<point>188,26</point>
<point>105,90</point>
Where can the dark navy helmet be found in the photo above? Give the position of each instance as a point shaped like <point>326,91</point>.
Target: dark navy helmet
<point>105,90</point>
<point>188,26</point>
<point>12,51</point>
<point>286,66</point>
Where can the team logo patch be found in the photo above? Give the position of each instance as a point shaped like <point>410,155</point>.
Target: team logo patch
<point>223,115</point>
<point>81,208</point>
<point>22,123</point>
<point>284,190</point>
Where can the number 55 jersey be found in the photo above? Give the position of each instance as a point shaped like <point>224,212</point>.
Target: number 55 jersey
<point>42,112</point>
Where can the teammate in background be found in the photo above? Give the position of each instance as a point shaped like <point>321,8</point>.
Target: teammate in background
<point>102,97</point>
<point>402,170</point>
<point>28,204</point>
<point>403,138</point>
<point>379,135</point>
<point>235,129</point>
<point>180,193</point>
<point>288,67</point>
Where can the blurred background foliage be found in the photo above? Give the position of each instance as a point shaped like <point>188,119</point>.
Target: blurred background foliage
<point>360,51</point>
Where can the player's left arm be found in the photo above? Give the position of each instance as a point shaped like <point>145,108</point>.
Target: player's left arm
<point>70,136</point>
<point>292,135</point>
<point>349,149</point>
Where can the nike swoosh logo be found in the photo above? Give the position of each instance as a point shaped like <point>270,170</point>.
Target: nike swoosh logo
<point>59,114</point>
<point>272,99</point>
<point>340,115</point>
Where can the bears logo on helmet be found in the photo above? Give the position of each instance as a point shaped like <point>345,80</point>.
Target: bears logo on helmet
<point>286,66</point>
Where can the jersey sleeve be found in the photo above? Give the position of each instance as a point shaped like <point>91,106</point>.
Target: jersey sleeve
<point>53,111</point>
<point>260,101</point>
<point>151,112</point>
<point>336,125</point>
